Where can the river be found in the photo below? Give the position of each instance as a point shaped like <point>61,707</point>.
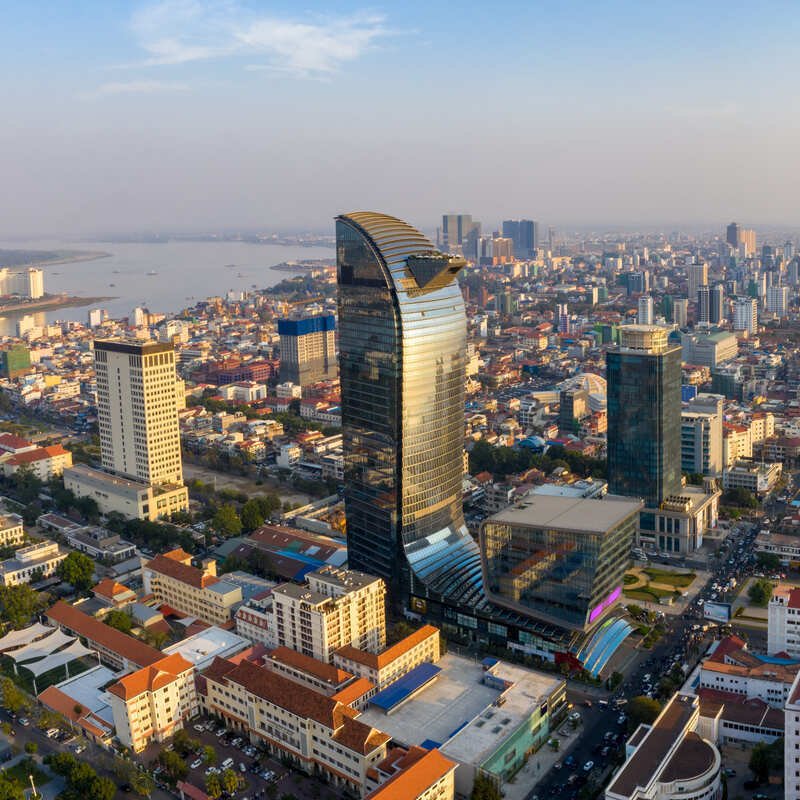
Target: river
<point>186,273</point>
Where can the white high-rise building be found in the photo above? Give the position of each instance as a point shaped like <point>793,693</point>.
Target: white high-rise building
<point>680,312</point>
<point>24,282</point>
<point>645,315</point>
<point>778,300</point>
<point>745,314</point>
<point>137,410</point>
<point>791,742</point>
<point>140,446</point>
<point>697,276</point>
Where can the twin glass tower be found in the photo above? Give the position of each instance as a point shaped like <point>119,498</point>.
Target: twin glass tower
<point>402,351</point>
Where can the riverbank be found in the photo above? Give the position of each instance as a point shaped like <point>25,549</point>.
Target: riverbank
<point>50,303</point>
<point>308,265</point>
<point>76,257</point>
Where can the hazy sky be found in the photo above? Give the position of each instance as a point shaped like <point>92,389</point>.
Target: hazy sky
<point>197,115</point>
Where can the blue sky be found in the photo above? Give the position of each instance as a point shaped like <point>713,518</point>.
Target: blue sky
<point>198,115</point>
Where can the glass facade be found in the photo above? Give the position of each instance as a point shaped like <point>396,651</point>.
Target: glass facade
<point>402,358</point>
<point>644,423</point>
<point>568,577</point>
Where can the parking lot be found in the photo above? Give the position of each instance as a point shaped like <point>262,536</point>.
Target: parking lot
<point>260,775</point>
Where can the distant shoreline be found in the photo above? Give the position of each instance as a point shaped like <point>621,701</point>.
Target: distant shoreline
<point>77,257</point>
<point>51,303</point>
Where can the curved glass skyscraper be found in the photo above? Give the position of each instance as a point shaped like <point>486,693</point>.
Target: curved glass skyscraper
<point>402,352</point>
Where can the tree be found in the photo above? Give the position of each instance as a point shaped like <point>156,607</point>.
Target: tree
<point>61,763</point>
<point>226,521</point>
<point>31,748</point>
<point>766,758</point>
<point>230,781</point>
<point>18,604</point>
<point>77,569</point>
<point>213,785</point>
<point>484,789</point>
<point>154,638</point>
<point>252,515</point>
<point>209,756</point>
<point>769,561</point>
<point>760,592</point>
<point>175,767</point>
<point>183,743</point>
<point>642,710</point>
<point>120,620</point>
<point>10,789</point>
<point>14,699</point>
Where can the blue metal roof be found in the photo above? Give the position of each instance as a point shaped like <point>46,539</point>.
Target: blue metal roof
<point>404,687</point>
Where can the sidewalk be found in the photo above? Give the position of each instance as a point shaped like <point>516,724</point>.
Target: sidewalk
<point>540,763</point>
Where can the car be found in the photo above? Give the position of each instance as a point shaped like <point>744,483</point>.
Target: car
<point>196,763</point>
<point>588,766</point>
<point>199,728</point>
<point>79,748</point>
<point>24,721</point>
<point>605,751</point>
<point>211,771</point>
<point>621,719</point>
<point>569,761</point>
<point>760,796</point>
<point>242,767</point>
<point>557,765</point>
<point>227,763</point>
<point>51,733</point>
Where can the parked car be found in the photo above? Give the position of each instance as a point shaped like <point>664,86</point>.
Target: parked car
<point>196,763</point>
<point>588,766</point>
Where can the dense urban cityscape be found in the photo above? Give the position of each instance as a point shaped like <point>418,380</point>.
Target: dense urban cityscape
<point>481,514</point>
<point>399,401</point>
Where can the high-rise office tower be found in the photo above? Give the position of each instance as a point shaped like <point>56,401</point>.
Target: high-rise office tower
<point>137,410</point>
<point>502,249</point>
<point>562,318</point>
<point>308,349</point>
<point>643,376</point>
<point>456,228</point>
<point>645,313</point>
<point>523,232</point>
<point>745,314</point>
<point>703,316</point>
<point>680,312</point>
<point>402,356</point>
<point>732,234</point>
<point>697,276</point>
<point>778,300</point>
<point>716,304</point>
<point>788,250</point>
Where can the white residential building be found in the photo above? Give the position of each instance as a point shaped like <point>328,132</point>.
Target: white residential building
<point>335,607</point>
<point>745,315</point>
<point>783,621</point>
<point>791,742</point>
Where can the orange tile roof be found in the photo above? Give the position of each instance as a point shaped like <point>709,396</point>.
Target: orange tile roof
<point>415,779</point>
<point>104,635</point>
<point>353,691</point>
<point>60,702</point>
<point>311,666</point>
<point>381,660</point>
<point>110,588</point>
<point>149,679</point>
<point>358,737</point>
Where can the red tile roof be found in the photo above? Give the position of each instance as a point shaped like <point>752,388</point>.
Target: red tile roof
<point>173,565</point>
<point>104,635</point>
<point>303,663</point>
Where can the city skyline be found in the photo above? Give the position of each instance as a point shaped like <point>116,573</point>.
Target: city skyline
<point>196,116</point>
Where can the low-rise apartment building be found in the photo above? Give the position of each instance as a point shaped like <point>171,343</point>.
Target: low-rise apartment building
<point>317,733</point>
<point>256,624</point>
<point>32,563</point>
<point>98,543</point>
<point>173,581</point>
<point>384,668</point>
<point>11,531</point>
<point>43,462</point>
<point>754,476</point>
<point>786,547</point>
<point>335,607</point>
<point>149,705</point>
<point>117,649</point>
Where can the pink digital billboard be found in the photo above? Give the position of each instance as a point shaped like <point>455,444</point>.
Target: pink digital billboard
<point>602,606</point>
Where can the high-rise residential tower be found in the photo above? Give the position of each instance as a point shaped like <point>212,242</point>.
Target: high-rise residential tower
<point>402,357</point>
<point>140,445</point>
<point>703,313</point>
<point>716,304</point>
<point>745,314</point>
<point>732,234</point>
<point>645,312</point>
<point>137,410</point>
<point>643,377</point>
<point>697,276</point>
<point>308,349</point>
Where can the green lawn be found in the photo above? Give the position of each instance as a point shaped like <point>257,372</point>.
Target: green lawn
<point>649,594</point>
<point>681,579</point>
<point>21,770</point>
